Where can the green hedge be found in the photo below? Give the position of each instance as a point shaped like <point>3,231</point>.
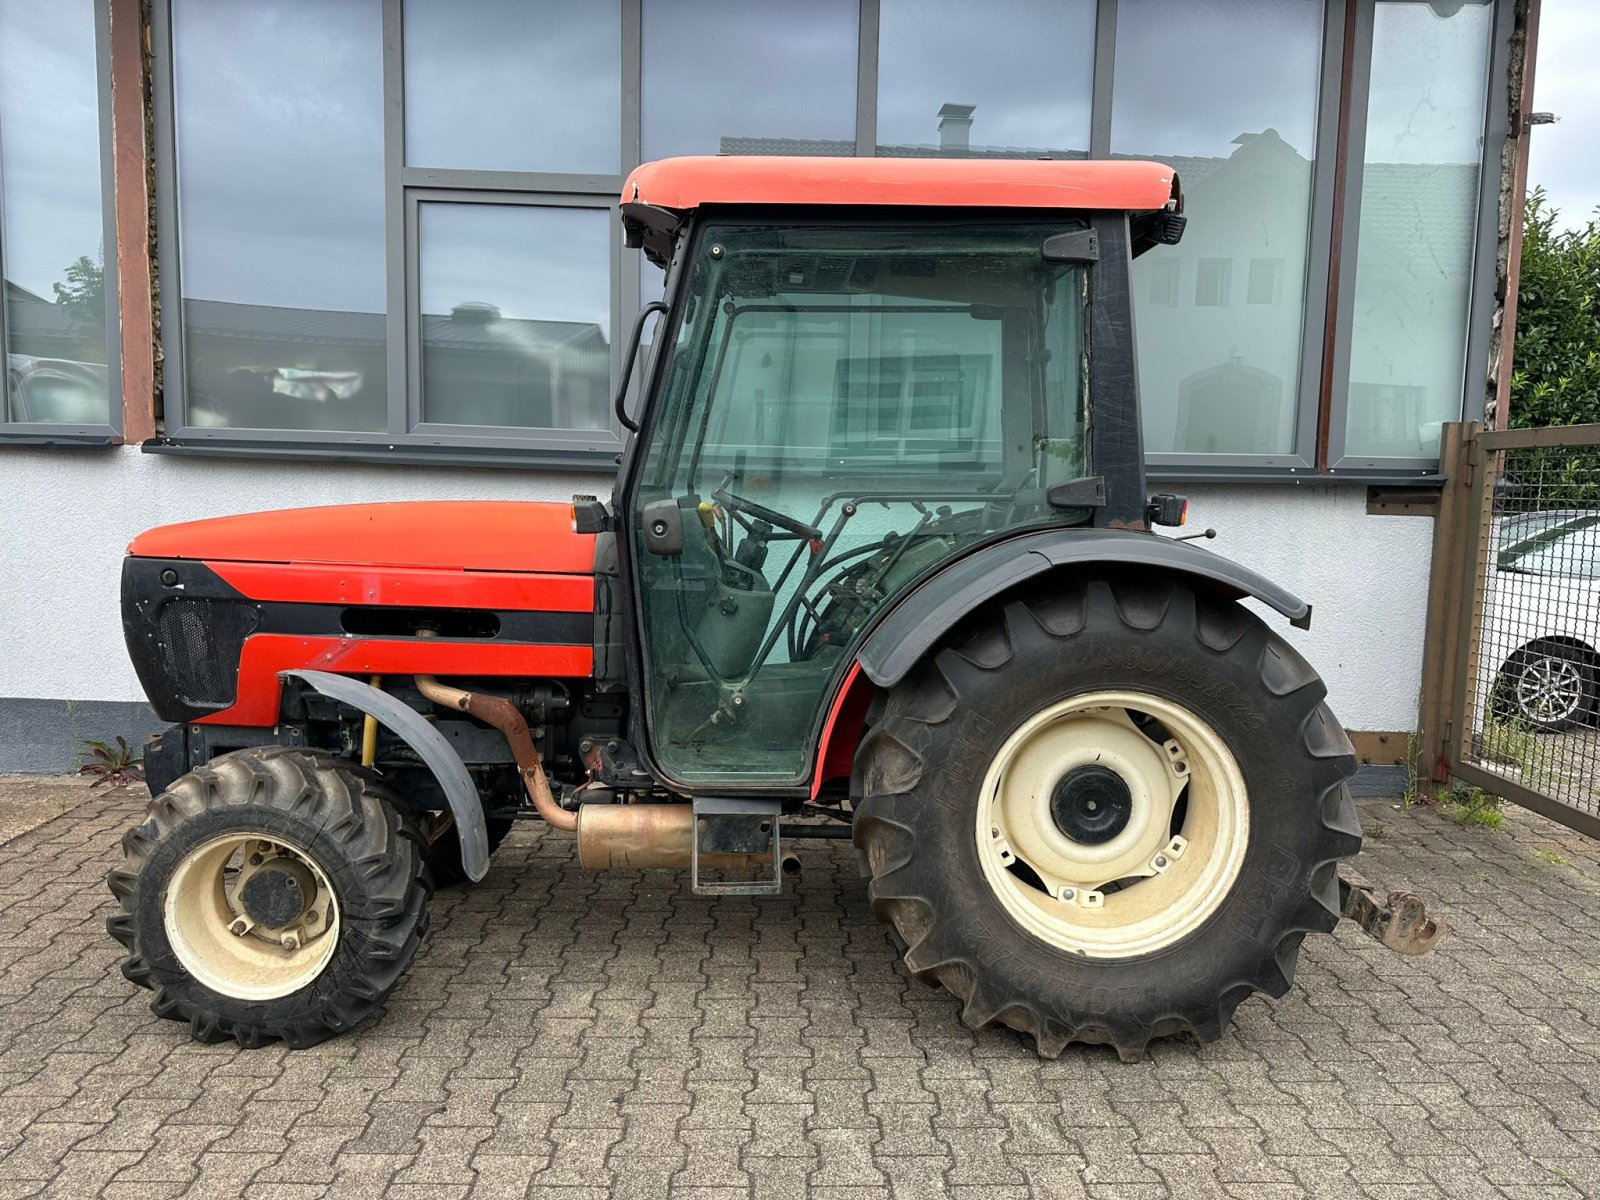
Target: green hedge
<point>1556,365</point>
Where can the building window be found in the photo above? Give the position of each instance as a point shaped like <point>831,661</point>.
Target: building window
<point>514,85</point>
<point>1164,278</point>
<point>1418,224</point>
<point>1242,135</point>
<point>730,77</point>
<point>58,310</point>
<point>1213,283</point>
<point>1265,285</point>
<point>515,314</point>
<point>1002,79</point>
<point>281,214</point>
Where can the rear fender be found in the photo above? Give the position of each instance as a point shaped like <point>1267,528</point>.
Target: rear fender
<point>408,725</point>
<point>931,609</point>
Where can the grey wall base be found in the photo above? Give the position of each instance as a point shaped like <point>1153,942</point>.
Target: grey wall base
<point>45,737</point>
<point>1379,781</point>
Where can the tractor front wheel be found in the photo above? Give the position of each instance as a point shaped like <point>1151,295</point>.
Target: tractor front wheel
<point>1108,814</point>
<point>272,893</point>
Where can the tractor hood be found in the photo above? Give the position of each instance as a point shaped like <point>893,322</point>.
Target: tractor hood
<point>462,535</point>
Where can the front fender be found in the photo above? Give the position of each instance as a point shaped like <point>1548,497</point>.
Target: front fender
<point>930,609</point>
<point>407,724</point>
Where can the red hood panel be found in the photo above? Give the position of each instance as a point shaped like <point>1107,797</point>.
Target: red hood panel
<point>469,535</point>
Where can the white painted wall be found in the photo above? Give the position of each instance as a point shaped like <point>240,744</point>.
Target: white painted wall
<point>66,517</point>
<point>1365,577</point>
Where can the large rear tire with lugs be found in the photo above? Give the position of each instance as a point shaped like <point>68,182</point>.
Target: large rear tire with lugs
<point>1107,814</point>
<point>272,893</point>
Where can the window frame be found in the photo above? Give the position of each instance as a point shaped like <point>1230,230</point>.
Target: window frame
<point>86,433</point>
<point>1321,390</point>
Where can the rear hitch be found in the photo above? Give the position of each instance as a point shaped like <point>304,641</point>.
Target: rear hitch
<point>1403,924</point>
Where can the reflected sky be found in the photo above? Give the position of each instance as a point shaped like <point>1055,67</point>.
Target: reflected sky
<point>280,145</point>
<point>747,68</point>
<point>1192,77</point>
<point>532,263</point>
<point>514,85</point>
<point>1026,64</point>
<point>50,140</point>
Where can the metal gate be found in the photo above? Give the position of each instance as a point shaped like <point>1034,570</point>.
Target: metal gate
<point>1511,671</point>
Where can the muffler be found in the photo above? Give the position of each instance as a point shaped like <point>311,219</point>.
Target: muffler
<point>647,837</point>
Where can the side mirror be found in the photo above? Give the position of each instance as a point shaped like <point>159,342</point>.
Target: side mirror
<point>663,528</point>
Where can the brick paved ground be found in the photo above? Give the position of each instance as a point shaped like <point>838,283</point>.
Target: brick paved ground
<point>573,1035</point>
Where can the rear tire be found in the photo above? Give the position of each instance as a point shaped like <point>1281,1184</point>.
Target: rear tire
<point>341,876</point>
<point>1257,873</point>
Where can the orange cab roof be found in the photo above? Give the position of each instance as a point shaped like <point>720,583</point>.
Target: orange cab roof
<point>681,184</point>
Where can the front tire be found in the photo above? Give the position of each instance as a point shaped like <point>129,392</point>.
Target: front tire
<point>272,893</point>
<point>1108,814</point>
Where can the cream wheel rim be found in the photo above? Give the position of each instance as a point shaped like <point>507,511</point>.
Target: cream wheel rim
<point>1113,824</point>
<point>224,938</point>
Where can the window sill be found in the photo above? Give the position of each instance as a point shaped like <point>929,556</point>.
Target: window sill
<point>518,457</point>
<point>77,438</point>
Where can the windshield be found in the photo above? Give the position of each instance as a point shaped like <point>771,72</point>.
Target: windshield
<point>843,409</point>
<point>1571,548</point>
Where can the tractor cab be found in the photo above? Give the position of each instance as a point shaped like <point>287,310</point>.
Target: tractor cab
<point>867,368</point>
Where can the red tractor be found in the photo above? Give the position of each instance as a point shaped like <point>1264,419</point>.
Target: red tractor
<point>878,565</point>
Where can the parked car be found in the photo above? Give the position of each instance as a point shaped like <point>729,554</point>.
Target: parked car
<point>1540,646</point>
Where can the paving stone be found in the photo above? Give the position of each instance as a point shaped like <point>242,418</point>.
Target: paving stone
<point>568,1035</point>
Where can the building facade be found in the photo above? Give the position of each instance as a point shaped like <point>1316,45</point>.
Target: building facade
<point>263,253</point>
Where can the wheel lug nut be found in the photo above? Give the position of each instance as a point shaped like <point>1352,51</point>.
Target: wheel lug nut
<point>256,860</point>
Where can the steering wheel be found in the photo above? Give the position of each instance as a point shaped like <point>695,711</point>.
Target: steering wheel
<point>771,516</point>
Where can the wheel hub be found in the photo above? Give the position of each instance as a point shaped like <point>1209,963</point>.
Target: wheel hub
<point>279,893</point>
<point>1091,804</point>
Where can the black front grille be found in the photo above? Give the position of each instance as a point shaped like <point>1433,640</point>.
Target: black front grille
<point>199,642</point>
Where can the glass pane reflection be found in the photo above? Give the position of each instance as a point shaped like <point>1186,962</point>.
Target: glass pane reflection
<point>279,112</point>
<point>1219,369</point>
<point>514,85</point>
<point>736,77</point>
<point>1023,69</point>
<point>516,315</point>
<point>1419,202</point>
<point>53,239</point>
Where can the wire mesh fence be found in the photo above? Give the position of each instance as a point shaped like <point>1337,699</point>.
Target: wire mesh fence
<point>1532,671</point>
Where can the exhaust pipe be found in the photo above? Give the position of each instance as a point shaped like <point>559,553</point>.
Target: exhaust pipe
<point>508,719</point>
<point>629,836</point>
